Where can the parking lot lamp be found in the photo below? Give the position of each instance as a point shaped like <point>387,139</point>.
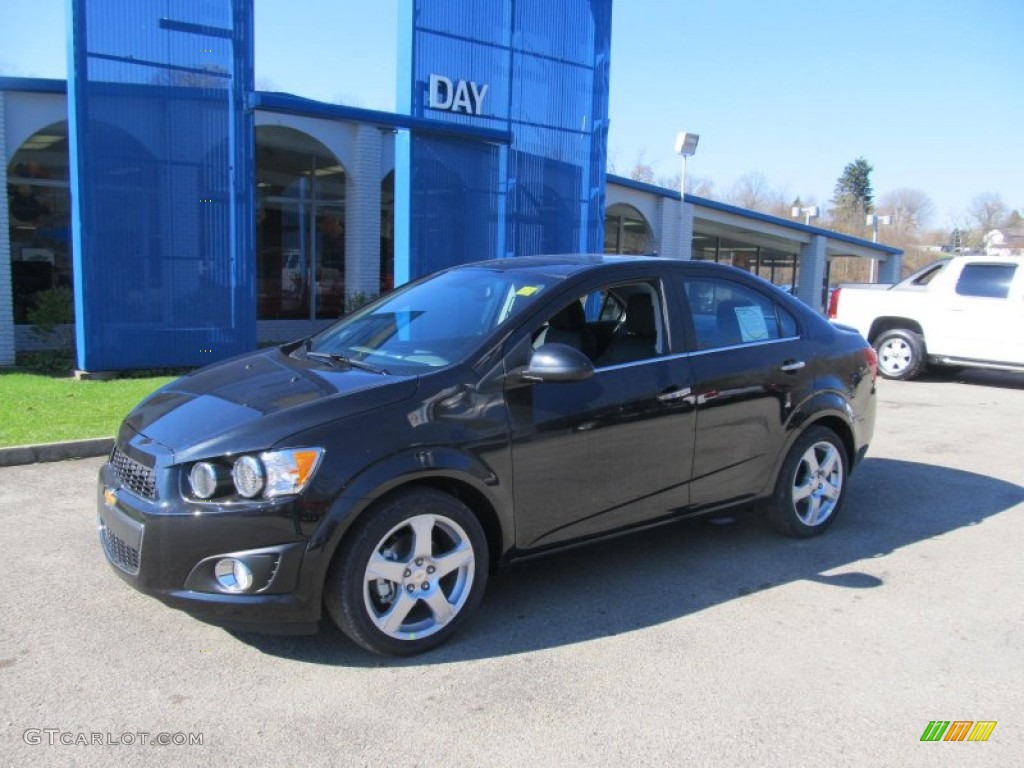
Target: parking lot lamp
<point>873,221</point>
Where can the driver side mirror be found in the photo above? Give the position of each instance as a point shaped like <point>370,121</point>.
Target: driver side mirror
<point>557,362</point>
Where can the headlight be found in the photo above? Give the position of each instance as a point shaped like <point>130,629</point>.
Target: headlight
<point>248,476</point>
<point>208,480</point>
<point>275,473</point>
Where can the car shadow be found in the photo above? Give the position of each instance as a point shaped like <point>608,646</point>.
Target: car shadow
<point>676,571</point>
<point>976,376</point>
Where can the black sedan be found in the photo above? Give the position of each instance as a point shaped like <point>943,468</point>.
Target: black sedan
<point>381,468</point>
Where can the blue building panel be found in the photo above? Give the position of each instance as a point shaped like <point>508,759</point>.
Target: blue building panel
<point>462,61</point>
<point>545,70</point>
<point>568,30</point>
<point>452,175</point>
<point>162,158</point>
<point>553,95</point>
<point>483,21</point>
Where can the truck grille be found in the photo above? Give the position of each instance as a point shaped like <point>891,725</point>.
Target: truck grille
<point>136,477</point>
<point>118,552</point>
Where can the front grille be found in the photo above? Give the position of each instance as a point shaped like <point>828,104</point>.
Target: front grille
<point>120,554</point>
<point>136,477</point>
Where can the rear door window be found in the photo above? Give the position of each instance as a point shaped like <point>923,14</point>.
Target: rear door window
<point>727,314</point>
<point>986,280</point>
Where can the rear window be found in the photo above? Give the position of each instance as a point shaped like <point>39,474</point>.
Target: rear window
<point>727,314</point>
<point>986,280</point>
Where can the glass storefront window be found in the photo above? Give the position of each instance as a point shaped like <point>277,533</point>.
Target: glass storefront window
<point>774,266</point>
<point>39,205</point>
<point>387,232</point>
<point>626,231</point>
<point>300,227</point>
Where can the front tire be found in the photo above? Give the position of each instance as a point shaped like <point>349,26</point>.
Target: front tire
<point>410,574</point>
<point>901,354</point>
<point>811,486</point>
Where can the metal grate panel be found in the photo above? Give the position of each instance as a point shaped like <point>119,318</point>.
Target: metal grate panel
<point>118,552</point>
<point>136,477</point>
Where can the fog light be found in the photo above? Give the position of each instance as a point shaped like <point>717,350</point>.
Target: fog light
<point>233,575</point>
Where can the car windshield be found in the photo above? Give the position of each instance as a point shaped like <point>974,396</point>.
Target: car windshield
<point>430,324</point>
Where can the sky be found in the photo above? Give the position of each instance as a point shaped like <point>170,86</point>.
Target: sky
<point>929,92</point>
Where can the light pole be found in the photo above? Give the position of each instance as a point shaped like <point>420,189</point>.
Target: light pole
<point>873,221</point>
<point>686,146</point>
<point>810,212</point>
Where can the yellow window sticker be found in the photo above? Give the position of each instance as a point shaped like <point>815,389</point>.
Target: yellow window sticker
<point>528,290</point>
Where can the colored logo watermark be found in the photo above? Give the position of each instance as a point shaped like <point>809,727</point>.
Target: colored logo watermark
<point>958,730</point>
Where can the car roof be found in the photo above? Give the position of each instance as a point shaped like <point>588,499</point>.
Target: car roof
<point>561,265</point>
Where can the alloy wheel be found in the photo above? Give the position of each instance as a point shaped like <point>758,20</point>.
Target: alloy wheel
<point>817,483</point>
<point>419,577</point>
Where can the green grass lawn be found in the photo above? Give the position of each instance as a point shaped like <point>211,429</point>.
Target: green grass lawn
<point>44,409</point>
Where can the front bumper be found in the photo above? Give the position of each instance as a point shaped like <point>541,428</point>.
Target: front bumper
<point>168,548</point>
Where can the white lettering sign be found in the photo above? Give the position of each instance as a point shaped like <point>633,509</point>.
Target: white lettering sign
<point>457,96</point>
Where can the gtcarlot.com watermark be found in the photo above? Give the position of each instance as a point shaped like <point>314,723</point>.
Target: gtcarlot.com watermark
<point>57,737</point>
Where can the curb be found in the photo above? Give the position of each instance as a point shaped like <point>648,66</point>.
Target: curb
<point>69,449</point>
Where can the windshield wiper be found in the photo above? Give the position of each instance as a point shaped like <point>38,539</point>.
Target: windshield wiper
<point>335,359</point>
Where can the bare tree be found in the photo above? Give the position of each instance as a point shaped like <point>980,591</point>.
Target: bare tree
<point>911,209</point>
<point>642,170</point>
<point>988,211</point>
<point>612,161</point>
<point>701,186</point>
<point>753,191</point>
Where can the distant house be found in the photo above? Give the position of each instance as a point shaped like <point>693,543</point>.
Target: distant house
<point>1004,242</point>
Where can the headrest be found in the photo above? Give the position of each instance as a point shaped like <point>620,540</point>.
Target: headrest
<point>570,318</point>
<point>640,315</point>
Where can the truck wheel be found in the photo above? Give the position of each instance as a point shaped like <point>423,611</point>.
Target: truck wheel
<point>901,354</point>
<point>410,575</point>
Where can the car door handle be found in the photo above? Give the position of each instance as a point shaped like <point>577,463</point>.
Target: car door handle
<point>674,394</point>
<point>792,365</point>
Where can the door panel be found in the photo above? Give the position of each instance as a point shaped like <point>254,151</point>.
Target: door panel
<point>744,401</point>
<point>980,319</point>
<point>750,370</point>
<point>606,453</point>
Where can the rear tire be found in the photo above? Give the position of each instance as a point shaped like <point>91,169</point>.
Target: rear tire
<point>811,486</point>
<point>901,354</point>
<point>410,574</point>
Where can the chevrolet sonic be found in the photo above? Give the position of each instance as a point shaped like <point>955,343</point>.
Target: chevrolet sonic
<point>380,469</point>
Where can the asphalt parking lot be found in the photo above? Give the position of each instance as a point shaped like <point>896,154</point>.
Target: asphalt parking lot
<point>694,644</point>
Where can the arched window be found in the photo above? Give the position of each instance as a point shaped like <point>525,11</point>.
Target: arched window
<point>300,227</point>
<point>387,232</point>
<point>39,204</point>
<point>626,231</point>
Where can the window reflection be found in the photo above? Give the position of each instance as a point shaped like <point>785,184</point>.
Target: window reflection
<point>39,205</point>
<point>300,227</point>
<point>774,266</point>
<point>626,231</point>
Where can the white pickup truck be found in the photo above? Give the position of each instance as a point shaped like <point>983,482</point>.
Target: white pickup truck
<point>963,311</point>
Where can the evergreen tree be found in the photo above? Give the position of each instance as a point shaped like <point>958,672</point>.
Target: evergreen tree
<point>853,196</point>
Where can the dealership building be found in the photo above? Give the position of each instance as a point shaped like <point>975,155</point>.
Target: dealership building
<point>192,217</point>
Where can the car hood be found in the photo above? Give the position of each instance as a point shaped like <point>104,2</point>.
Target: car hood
<point>253,402</point>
